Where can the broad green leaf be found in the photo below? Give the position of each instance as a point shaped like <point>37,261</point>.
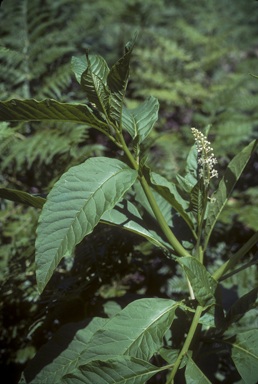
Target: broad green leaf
<point>136,331</point>
<point>50,110</point>
<point>232,174</point>
<point>174,220</point>
<point>243,305</point>
<point>61,354</point>
<point>22,197</point>
<point>94,83</point>
<point>115,370</point>
<point>203,284</point>
<point>140,121</point>
<point>117,81</point>
<point>193,374</point>
<point>73,208</point>
<point>245,355</point>
<point>125,215</point>
<point>171,194</point>
<point>78,66</point>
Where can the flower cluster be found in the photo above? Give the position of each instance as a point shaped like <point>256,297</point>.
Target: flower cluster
<point>207,160</point>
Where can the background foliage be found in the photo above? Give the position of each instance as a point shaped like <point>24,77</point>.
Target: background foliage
<point>195,57</point>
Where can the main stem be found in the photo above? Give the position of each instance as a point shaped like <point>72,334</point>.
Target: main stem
<point>160,218</point>
<point>162,222</point>
<point>187,343</point>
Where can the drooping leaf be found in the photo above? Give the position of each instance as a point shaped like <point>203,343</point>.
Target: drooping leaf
<point>73,208</point>
<point>232,174</point>
<point>49,110</point>
<point>117,81</point>
<point>22,197</point>
<point>94,83</point>
<point>245,355</point>
<point>242,305</point>
<point>60,355</point>
<point>140,121</point>
<point>116,370</point>
<point>171,194</point>
<point>135,331</point>
<point>204,286</point>
<point>193,374</point>
<point>125,215</point>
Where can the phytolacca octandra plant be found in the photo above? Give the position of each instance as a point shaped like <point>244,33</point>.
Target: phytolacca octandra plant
<point>119,349</point>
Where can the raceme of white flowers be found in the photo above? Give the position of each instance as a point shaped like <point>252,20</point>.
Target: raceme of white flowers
<point>207,159</point>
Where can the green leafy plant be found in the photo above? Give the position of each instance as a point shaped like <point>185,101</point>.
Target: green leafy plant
<point>122,348</point>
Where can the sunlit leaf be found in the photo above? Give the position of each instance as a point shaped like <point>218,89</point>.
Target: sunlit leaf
<point>140,121</point>
<point>135,331</point>
<point>73,208</point>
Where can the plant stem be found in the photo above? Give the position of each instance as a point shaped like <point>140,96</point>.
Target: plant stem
<point>162,222</point>
<point>236,257</point>
<point>128,153</point>
<point>187,343</point>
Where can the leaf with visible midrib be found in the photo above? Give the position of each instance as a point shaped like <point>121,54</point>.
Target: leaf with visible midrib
<point>203,284</point>
<point>94,82</point>
<point>245,355</point>
<point>73,208</point>
<point>117,81</point>
<point>140,121</point>
<point>60,355</point>
<point>116,370</point>
<point>136,331</point>
<point>50,110</point>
